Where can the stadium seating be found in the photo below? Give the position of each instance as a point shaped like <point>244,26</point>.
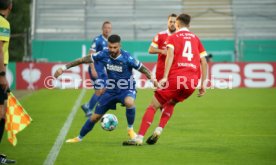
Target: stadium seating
<point>78,20</point>
<point>210,18</point>
<point>255,29</point>
<point>59,20</point>
<point>142,19</point>
<point>255,19</point>
<point>133,20</point>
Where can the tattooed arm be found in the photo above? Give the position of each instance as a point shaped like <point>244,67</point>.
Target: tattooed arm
<point>145,71</point>
<point>84,60</point>
<point>148,74</point>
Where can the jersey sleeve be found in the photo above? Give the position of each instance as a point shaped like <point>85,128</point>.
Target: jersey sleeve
<point>97,56</point>
<point>170,42</point>
<point>4,31</point>
<point>93,46</point>
<point>154,42</point>
<point>134,63</point>
<point>201,49</point>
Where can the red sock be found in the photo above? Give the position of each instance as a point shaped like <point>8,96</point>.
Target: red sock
<point>147,120</point>
<point>166,114</point>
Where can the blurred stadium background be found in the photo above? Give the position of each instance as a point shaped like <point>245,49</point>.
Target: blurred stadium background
<point>232,30</point>
<point>225,127</point>
<point>60,31</point>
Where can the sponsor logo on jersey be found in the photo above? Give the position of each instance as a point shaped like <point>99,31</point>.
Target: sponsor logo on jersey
<point>115,68</point>
<point>186,65</point>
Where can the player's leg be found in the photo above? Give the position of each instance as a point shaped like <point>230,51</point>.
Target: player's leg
<point>146,122</point>
<point>176,96</point>
<point>167,112</point>
<point>2,121</point>
<point>87,127</point>
<point>99,87</point>
<point>98,93</point>
<point>89,124</point>
<point>100,77</point>
<point>103,106</point>
<point>87,108</point>
<point>148,116</point>
<point>130,115</point>
<point>160,98</point>
<point>127,98</point>
<point>5,160</point>
<point>3,105</point>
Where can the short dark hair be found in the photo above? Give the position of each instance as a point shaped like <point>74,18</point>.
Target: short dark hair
<point>172,15</point>
<point>4,4</point>
<point>114,38</point>
<point>184,18</point>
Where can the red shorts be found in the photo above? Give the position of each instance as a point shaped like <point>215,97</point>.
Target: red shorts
<point>174,93</point>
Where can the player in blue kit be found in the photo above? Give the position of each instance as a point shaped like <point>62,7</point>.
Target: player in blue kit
<point>96,70</point>
<point>120,86</point>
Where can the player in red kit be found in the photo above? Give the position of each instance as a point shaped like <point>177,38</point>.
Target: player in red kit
<point>158,46</point>
<point>185,64</point>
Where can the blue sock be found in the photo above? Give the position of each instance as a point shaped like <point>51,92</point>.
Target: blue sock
<point>130,114</point>
<point>93,101</point>
<point>88,126</point>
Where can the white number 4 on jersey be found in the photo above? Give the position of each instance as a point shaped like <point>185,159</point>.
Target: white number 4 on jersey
<point>187,52</point>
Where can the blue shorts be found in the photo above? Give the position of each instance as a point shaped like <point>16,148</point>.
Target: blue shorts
<point>109,99</point>
<point>100,81</point>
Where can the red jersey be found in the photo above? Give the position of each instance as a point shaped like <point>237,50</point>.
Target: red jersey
<point>188,50</point>
<point>159,42</point>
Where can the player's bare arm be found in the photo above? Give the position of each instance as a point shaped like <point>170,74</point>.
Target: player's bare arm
<point>92,67</point>
<point>145,71</point>
<point>148,74</point>
<point>168,65</point>
<point>204,66</point>
<point>84,60</point>
<point>153,50</point>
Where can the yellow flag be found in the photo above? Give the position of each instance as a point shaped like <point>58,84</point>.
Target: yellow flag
<point>16,118</point>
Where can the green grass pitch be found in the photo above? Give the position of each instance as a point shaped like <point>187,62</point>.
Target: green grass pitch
<point>235,126</point>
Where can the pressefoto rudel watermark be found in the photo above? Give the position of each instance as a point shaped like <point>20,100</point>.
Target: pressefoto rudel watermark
<point>65,82</point>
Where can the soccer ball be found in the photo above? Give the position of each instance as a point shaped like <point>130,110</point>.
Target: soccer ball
<point>109,122</point>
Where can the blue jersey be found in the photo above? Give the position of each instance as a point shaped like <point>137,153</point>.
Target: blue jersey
<point>119,70</point>
<point>98,44</point>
